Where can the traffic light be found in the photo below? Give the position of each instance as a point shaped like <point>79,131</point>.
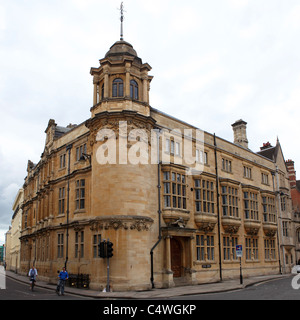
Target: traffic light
<point>102,249</point>
<point>109,249</point>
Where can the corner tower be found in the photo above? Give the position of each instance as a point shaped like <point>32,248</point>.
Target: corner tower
<point>121,82</point>
<point>123,183</point>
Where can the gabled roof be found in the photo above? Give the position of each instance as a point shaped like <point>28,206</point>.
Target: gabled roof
<point>274,154</point>
<point>270,153</point>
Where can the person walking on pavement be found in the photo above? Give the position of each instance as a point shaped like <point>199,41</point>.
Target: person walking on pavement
<point>32,275</point>
<point>63,277</point>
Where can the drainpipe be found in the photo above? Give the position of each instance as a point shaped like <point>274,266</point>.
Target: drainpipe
<point>279,224</point>
<point>69,147</point>
<point>278,245</point>
<point>159,207</point>
<point>34,259</point>
<point>218,208</point>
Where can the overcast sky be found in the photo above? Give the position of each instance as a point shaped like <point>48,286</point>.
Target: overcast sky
<point>213,62</point>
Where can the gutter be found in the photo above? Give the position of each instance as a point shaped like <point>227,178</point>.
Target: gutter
<point>279,226</point>
<point>68,148</point>
<point>159,208</point>
<point>218,208</point>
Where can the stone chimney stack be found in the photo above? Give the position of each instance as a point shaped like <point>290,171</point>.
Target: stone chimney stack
<point>240,133</point>
<point>290,165</point>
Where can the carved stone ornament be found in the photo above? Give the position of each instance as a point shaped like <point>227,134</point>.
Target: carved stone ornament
<point>123,222</point>
<point>252,227</point>
<point>120,124</point>
<point>270,233</point>
<point>231,229</point>
<point>116,224</point>
<point>205,221</point>
<point>179,223</point>
<point>140,225</point>
<point>206,226</point>
<point>231,224</point>
<point>270,229</point>
<point>78,228</point>
<point>252,231</point>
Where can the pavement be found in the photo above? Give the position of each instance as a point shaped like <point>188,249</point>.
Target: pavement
<point>223,286</point>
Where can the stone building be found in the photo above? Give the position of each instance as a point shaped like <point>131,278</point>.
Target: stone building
<point>12,242</point>
<point>124,174</point>
<point>284,204</point>
<point>295,194</point>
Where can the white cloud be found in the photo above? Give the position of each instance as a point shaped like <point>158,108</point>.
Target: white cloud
<point>9,192</point>
<point>293,19</point>
<point>199,81</point>
<point>83,5</point>
<point>2,18</point>
<point>2,234</point>
<point>238,3</point>
<point>183,19</point>
<point>154,7</point>
<point>237,95</point>
<point>250,31</point>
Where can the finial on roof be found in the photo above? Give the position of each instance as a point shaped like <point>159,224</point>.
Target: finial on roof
<point>122,18</point>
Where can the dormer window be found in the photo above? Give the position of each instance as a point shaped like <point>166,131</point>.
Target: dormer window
<point>117,88</point>
<point>134,90</point>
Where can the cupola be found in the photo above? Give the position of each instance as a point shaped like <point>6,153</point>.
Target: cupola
<point>121,82</point>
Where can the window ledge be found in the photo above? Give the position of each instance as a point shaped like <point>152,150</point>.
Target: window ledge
<point>79,211</point>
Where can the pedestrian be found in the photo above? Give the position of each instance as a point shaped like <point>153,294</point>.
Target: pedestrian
<point>32,275</point>
<point>63,277</point>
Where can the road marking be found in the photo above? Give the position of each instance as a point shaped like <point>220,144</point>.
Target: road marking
<point>23,292</point>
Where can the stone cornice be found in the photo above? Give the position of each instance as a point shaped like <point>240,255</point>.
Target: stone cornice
<point>115,222</point>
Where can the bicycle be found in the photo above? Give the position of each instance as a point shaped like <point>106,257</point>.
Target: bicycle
<point>60,287</point>
<point>32,280</point>
<point>32,277</point>
<point>63,276</point>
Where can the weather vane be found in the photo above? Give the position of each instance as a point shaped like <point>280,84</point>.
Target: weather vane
<point>122,18</point>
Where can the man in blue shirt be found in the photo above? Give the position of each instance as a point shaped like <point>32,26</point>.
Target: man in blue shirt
<point>63,277</point>
<point>32,275</point>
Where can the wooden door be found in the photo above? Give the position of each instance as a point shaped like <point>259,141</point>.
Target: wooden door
<point>176,258</point>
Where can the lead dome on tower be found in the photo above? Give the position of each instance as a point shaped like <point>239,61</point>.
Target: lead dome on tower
<point>120,49</point>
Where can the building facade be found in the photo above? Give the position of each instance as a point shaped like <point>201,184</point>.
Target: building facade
<point>125,174</point>
<point>295,194</point>
<point>286,222</point>
<point>13,244</point>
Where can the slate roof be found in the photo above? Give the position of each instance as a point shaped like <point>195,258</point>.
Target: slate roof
<point>270,153</point>
<point>59,131</point>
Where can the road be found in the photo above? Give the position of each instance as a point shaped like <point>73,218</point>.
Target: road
<point>16,290</point>
<point>271,290</point>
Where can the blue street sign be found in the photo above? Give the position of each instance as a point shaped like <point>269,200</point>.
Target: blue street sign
<point>239,251</point>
